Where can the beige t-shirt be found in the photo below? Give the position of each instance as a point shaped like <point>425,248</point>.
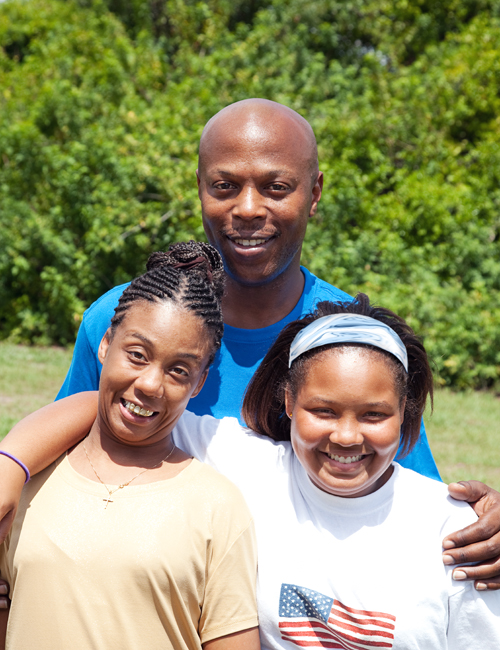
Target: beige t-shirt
<point>170,564</point>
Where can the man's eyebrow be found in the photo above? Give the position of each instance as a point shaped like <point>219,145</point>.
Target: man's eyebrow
<point>144,339</point>
<point>270,173</point>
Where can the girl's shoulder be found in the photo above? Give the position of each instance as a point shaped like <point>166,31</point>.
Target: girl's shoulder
<point>429,501</point>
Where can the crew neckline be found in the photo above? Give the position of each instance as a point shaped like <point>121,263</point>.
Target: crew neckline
<point>84,484</point>
<point>355,506</point>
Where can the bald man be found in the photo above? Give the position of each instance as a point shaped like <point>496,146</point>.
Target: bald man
<point>259,184</point>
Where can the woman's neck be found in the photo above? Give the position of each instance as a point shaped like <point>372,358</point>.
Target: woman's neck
<point>101,458</point>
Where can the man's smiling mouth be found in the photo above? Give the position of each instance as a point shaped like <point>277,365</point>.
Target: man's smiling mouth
<point>138,410</point>
<point>249,242</point>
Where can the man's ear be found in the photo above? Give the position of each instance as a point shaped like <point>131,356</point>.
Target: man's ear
<point>201,383</point>
<point>316,194</point>
<point>104,345</point>
<point>198,180</point>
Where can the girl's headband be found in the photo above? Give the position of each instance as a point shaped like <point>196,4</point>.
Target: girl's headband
<point>348,328</point>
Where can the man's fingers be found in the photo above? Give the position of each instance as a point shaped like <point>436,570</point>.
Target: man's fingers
<point>470,491</point>
<point>485,575</point>
<point>484,531</point>
<point>4,590</point>
<point>484,552</point>
<point>484,584</point>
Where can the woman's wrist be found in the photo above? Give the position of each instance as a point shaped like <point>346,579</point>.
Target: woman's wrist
<point>18,461</point>
<point>11,471</point>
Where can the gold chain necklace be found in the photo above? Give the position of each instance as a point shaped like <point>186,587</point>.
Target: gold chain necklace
<point>120,487</point>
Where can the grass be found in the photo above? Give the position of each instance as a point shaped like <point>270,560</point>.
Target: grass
<point>463,431</point>
<point>464,435</point>
<point>30,377</point>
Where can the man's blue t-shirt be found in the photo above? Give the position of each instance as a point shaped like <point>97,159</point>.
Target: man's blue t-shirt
<point>241,352</point>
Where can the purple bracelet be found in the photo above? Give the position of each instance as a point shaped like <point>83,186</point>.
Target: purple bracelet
<point>19,462</point>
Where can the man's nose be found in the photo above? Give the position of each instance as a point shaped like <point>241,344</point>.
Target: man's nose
<point>249,204</point>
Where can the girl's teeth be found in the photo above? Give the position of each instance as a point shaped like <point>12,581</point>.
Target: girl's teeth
<point>134,408</point>
<point>345,459</point>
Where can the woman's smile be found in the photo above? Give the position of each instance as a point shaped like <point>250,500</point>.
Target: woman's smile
<point>136,413</point>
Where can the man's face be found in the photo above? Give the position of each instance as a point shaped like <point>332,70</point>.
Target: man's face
<point>257,192</point>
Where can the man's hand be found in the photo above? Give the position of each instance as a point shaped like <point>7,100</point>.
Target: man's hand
<point>4,592</point>
<point>479,542</point>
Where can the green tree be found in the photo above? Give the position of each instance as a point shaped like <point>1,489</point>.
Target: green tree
<point>102,103</point>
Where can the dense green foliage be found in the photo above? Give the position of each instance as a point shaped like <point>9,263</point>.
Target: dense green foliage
<point>102,103</point>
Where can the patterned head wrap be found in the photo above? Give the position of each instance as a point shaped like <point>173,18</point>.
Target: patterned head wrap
<point>348,328</point>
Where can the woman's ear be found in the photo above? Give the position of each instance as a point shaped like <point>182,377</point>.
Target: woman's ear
<point>104,345</point>
<point>200,383</point>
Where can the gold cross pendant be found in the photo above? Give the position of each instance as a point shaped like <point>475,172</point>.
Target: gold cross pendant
<point>107,501</point>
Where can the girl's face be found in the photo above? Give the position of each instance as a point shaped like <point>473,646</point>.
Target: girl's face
<point>346,421</point>
<point>155,362</point>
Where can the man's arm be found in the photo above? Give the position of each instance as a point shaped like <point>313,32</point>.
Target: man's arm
<point>38,440</point>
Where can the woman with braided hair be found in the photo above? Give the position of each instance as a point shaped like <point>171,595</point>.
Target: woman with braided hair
<point>128,542</point>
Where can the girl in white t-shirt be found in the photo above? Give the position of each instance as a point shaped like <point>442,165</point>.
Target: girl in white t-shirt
<point>350,552</point>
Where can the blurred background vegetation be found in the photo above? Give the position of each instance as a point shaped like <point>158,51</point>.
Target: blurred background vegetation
<point>102,103</point>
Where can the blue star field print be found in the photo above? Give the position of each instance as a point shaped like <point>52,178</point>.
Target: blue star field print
<point>311,619</point>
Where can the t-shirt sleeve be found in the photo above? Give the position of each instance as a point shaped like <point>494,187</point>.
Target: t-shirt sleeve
<point>474,620</point>
<point>85,370</point>
<point>229,604</point>
<point>474,616</point>
<point>230,448</point>
<point>83,373</point>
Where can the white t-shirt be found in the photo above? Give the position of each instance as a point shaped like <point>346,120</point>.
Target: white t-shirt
<point>348,573</point>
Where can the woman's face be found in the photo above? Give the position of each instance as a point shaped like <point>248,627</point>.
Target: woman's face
<point>155,362</point>
<point>346,421</point>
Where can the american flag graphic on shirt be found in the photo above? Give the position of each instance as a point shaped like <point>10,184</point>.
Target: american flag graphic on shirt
<point>310,619</point>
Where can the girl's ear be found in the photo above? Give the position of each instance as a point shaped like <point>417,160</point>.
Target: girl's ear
<point>289,403</point>
<point>104,345</point>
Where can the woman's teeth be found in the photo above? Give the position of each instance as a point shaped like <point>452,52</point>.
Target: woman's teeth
<point>345,459</point>
<point>138,410</point>
<point>250,242</point>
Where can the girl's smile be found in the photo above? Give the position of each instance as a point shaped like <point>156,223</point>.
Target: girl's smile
<point>346,421</point>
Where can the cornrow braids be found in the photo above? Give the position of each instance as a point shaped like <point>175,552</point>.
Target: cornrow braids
<point>191,275</point>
